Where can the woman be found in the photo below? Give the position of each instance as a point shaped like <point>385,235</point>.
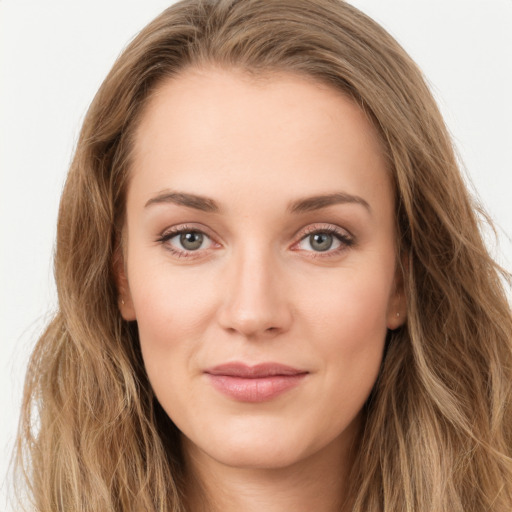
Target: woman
<point>273,291</point>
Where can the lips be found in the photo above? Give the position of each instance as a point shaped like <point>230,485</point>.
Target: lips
<point>259,383</point>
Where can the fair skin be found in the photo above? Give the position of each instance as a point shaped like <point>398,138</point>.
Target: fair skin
<point>232,261</point>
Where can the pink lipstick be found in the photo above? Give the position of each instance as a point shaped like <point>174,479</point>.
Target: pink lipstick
<point>257,383</point>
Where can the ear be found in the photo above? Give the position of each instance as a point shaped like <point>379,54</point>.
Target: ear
<point>397,306</point>
<point>124,297</point>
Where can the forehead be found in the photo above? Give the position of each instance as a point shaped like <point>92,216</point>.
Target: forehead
<point>210,122</point>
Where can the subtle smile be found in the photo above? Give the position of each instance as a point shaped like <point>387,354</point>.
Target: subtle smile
<point>257,383</point>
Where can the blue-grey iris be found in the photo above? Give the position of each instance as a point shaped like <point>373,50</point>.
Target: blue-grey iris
<point>321,241</point>
<point>191,241</point>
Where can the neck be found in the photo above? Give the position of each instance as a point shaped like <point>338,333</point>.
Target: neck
<point>318,482</point>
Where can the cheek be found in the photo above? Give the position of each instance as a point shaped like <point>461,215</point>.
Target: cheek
<point>170,323</point>
<point>351,306</point>
<point>171,310</point>
<point>349,324</point>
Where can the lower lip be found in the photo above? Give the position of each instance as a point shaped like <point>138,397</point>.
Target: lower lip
<point>253,390</point>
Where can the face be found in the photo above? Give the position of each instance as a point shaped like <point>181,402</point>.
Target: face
<point>259,263</point>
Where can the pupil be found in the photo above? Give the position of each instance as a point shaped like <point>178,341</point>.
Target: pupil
<point>321,241</point>
<point>191,240</point>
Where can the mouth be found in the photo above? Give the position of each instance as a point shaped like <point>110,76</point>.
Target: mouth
<point>258,383</point>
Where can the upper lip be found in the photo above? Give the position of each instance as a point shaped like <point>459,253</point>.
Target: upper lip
<point>261,370</point>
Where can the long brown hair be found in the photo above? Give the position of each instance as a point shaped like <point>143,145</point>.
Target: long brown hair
<point>438,425</point>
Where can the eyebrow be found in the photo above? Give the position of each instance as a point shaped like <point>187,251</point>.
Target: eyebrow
<point>304,205</point>
<point>204,204</point>
<point>309,204</point>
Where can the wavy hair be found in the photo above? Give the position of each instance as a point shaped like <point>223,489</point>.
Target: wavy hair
<point>437,433</point>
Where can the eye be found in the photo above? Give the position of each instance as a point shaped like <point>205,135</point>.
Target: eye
<point>328,239</point>
<point>183,241</point>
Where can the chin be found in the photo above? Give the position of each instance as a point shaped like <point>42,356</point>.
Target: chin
<point>264,445</point>
<point>258,454</point>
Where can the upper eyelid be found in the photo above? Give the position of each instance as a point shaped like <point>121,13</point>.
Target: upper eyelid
<point>319,227</point>
<point>186,227</point>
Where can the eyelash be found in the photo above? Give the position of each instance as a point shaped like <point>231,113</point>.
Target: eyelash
<point>346,241</point>
<point>168,235</point>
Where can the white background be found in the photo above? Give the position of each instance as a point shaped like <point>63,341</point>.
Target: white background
<point>54,55</point>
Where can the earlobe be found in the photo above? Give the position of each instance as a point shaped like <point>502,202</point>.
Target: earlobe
<point>397,310</point>
<point>126,307</point>
<point>396,317</point>
<point>124,298</point>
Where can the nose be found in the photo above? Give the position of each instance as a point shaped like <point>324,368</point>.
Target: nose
<point>255,299</point>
